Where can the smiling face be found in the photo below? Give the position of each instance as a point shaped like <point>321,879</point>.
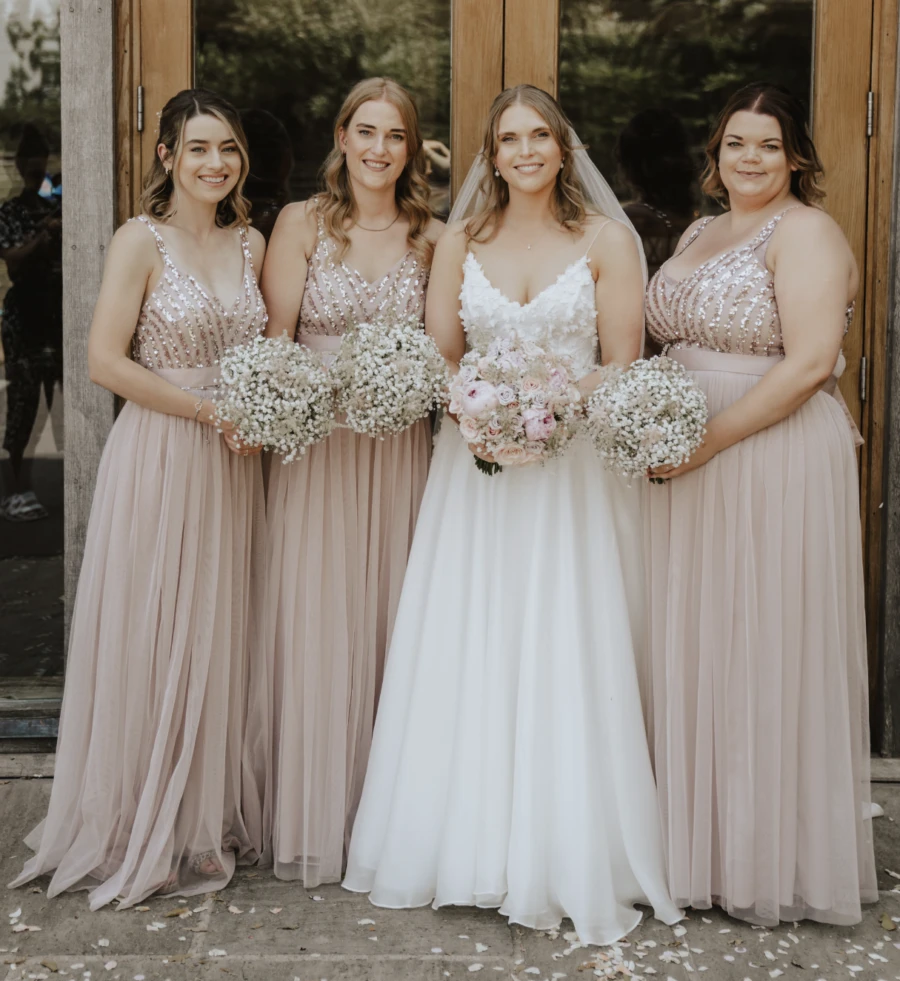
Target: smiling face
<point>527,155</point>
<point>375,145</point>
<point>752,160</point>
<point>208,162</point>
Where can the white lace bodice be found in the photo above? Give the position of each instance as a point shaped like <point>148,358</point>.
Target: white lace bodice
<point>562,318</point>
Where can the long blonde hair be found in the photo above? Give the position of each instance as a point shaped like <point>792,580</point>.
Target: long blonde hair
<point>568,202</point>
<point>157,197</point>
<point>336,204</point>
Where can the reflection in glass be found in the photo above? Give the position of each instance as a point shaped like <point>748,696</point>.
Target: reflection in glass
<point>31,404</point>
<point>288,66</point>
<point>643,80</point>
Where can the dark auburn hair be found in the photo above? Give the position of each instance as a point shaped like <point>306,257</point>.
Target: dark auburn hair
<point>336,203</point>
<point>768,99</point>
<point>568,202</point>
<point>157,198</point>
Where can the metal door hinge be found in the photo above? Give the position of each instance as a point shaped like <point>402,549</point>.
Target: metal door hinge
<point>862,379</point>
<point>140,108</point>
<point>870,113</point>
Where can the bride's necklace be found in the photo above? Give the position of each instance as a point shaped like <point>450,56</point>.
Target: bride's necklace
<point>386,227</point>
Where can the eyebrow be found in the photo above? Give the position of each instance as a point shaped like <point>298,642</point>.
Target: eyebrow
<point>768,139</point>
<point>230,139</point>
<point>537,129</point>
<point>395,129</point>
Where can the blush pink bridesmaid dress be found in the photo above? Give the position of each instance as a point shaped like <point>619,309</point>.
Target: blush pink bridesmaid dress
<point>150,761</point>
<point>341,522</point>
<point>758,704</point>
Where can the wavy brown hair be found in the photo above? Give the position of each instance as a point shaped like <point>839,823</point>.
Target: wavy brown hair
<point>158,195</point>
<point>568,202</point>
<point>336,203</point>
<point>767,99</point>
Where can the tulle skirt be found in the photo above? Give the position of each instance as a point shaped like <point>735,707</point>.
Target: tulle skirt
<point>341,522</point>
<point>147,787</point>
<point>509,766</point>
<point>757,705</point>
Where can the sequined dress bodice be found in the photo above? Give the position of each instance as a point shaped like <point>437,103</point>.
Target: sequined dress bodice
<point>336,295</point>
<point>181,325</point>
<point>562,318</point>
<point>726,304</point>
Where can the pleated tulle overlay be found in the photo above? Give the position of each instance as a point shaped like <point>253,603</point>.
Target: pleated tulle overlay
<point>758,694</point>
<point>147,791</point>
<point>340,522</point>
<point>509,766</point>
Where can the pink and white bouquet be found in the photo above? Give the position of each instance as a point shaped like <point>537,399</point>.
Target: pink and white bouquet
<point>515,401</point>
<point>651,414</point>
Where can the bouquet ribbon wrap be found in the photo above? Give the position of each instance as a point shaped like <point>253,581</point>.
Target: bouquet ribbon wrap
<point>327,345</point>
<point>698,359</point>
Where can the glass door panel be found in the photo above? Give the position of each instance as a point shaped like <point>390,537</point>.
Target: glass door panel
<point>288,67</point>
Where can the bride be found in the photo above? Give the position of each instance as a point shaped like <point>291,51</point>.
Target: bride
<point>509,766</point>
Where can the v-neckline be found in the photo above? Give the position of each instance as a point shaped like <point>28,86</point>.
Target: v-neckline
<point>516,303</point>
<point>369,283</point>
<point>207,293</point>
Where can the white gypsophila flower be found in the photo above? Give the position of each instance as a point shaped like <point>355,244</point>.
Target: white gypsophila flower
<point>277,394</point>
<point>649,415</point>
<point>388,375</point>
<point>516,401</point>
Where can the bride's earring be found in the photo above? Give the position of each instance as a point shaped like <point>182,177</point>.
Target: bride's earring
<point>496,172</point>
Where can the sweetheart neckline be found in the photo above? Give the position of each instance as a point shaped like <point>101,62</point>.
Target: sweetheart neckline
<point>524,306</point>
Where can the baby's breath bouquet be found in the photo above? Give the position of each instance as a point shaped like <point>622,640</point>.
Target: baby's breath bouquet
<point>516,401</point>
<point>277,395</point>
<point>651,414</point>
<point>388,374</point>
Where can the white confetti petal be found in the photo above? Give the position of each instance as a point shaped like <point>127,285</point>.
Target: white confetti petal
<point>109,965</point>
<point>365,922</point>
<point>216,952</point>
<point>475,967</point>
<point>103,943</point>
<point>318,899</point>
<point>436,950</point>
<point>481,948</point>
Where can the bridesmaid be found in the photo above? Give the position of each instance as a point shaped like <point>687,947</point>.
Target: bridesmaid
<point>146,796</point>
<point>341,518</point>
<point>758,713</point>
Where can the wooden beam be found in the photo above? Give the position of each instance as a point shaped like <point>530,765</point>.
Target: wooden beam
<point>87,67</point>
<point>875,341</point>
<point>531,44</point>
<point>889,625</point>
<point>842,64</point>
<point>477,78</point>
<point>127,80</point>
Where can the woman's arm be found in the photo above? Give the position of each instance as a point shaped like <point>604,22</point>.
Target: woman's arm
<point>619,298</point>
<point>132,261</point>
<point>442,320</point>
<point>284,274</point>
<point>815,275</point>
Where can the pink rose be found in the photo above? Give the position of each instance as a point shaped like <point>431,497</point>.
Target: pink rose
<point>478,399</point>
<point>530,384</point>
<point>539,424</point>
<point>505,394</point>
<point>558,380</point>
<point>510,456</point>
<point>469,429</point>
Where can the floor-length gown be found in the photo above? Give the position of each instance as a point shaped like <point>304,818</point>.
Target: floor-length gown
<point>509,766</point>
<point>340,522</point>
<point>758,712</point>
<point>147,786</point>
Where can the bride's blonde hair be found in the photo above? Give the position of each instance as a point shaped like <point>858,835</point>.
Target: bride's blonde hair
<point>568,202</point>
<point>336,204</point>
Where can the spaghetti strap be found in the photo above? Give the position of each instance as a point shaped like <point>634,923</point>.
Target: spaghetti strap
<point>695,234</point>
<point>596,235</point>
<point>245,246</point>
<point>160,244</point>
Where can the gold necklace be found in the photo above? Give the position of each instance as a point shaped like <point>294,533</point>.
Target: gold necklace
<point>386,227</point>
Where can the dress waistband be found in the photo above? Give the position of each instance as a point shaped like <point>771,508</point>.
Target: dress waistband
<point>192,379</point>
<point>700,359</point>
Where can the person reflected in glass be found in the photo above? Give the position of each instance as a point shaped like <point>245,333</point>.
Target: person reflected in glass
<point>268,185</point>
<point>759,698</point>
<point>437,172</point>
<point>149,765</point>
<point>653,155</point>
<point>31,324</point>
<point>341,518</point>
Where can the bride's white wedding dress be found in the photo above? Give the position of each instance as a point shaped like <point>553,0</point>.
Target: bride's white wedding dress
<point>509,766</point>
